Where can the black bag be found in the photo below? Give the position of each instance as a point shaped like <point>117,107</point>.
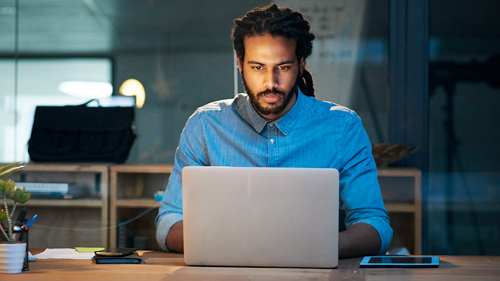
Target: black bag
<point>81,134</point>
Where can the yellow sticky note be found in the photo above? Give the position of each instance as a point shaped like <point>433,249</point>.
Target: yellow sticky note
<point>88,249</point>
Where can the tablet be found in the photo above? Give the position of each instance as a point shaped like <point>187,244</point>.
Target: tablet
<point>400,261</point>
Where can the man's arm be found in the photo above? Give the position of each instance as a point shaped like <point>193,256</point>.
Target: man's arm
<point>175,238</point>
<point>360,239</point>
<point>190,152</point>
<point>368,229</point>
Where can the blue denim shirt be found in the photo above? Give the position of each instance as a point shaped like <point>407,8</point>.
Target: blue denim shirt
<point>312,134</point>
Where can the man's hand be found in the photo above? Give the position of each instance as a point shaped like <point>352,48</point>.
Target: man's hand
<point>360,239</point>
<point>175,238</point>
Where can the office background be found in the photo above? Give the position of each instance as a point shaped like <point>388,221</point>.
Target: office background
<point>419,73</point>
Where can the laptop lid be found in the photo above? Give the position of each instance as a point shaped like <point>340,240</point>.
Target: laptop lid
<point>257,216</point>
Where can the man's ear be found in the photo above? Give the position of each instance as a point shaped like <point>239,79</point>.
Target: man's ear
<point>302,65</point>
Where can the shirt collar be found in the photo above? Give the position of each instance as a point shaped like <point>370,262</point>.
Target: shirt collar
<point>284,124</point>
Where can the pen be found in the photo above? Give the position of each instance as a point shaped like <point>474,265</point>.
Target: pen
<point>15,236</point>
<point>32,220</point>
<point>20,231</point>
<point>21,217</point>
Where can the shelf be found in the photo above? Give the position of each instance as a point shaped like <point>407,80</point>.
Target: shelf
<point>132,189</point>
<point>403,208</point>
<point>137,203</point>
<point>74,203</point>
<point>75,222</point>
<point>124,193</point>
<point>151,169</point>
<point>66,167</point>
<point>401,191</point>
<point>400,172</point>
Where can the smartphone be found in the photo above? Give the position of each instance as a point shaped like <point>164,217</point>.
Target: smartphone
<point>400,261</point>
<point>115,252</point>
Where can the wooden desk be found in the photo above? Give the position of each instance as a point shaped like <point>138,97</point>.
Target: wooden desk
<point>167,266</point>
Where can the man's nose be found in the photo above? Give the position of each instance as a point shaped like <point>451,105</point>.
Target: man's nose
<point>271,79</point>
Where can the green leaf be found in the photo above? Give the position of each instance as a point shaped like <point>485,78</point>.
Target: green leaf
<point>18,195</point>
<point>6,186</point>
<point>24,198</point>
<point>10,169</point>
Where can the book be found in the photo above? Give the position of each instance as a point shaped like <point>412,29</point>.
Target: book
<point>54,190</point>
<point>47,188</point>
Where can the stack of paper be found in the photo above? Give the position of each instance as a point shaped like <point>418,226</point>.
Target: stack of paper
<point>80,253</point>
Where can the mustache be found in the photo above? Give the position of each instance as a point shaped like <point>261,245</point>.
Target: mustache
<point>271,91</point>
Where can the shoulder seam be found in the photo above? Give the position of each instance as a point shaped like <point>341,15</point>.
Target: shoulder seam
<point>342,138</point>
<point>200,124</point>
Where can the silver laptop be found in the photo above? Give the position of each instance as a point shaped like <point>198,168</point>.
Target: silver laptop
<point>269,217</point>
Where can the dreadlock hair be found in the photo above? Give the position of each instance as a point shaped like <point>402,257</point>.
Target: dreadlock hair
<point>277,21</point>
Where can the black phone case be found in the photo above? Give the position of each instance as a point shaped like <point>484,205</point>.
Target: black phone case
<point>128,259</point>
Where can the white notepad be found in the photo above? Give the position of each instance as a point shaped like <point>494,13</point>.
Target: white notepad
<point>271,217</point>
<point>64,253</point>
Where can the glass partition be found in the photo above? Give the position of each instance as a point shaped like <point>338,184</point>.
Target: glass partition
<point>179,50</point>
<point>7,78</point>
<point>464,178</point>
<point>42,81</point>
<point>182,54</point>
<point>349,62</point>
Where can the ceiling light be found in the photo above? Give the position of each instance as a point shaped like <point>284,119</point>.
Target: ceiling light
<point>132,87</point>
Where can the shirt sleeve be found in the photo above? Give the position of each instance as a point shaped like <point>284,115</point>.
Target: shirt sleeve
<point>190,152</point>
<point>360,195</point>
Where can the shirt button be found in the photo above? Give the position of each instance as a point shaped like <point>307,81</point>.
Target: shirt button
<point>271,125</point>
<point>272,140</point>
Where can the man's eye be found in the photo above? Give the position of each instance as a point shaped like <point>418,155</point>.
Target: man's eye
<point>283,67</point>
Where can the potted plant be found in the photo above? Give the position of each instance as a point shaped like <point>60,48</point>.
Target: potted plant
<point>12,253</point>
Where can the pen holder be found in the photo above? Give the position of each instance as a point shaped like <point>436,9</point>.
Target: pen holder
<point>23,236</point>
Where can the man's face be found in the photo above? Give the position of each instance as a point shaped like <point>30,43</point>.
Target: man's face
<point>270,70</point>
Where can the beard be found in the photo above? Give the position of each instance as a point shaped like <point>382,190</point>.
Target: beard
<point>270,108</point>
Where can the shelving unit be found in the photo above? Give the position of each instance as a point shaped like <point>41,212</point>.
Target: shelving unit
<point>95,218</point>
<point>82,221</point>
<point>401,191</point>
<point>132,206</point>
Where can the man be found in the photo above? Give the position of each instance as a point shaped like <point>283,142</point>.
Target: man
<point>279,123</point>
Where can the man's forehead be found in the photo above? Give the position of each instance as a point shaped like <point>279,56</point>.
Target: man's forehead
<point>269,48</point>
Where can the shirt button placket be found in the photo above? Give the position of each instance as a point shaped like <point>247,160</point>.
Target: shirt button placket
<point>272,146</point>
